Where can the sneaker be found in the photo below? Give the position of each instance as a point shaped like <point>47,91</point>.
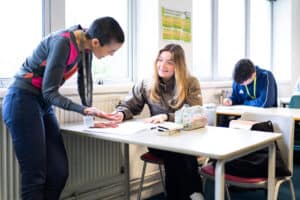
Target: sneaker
<point>197,196</point>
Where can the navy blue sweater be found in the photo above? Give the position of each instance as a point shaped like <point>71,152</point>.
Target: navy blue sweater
<point>266,91</point>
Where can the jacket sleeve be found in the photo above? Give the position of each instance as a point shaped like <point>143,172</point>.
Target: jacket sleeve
<point>235,97</point>
<point>53,76</point>
<point>267,95</point>
<point>85,81</point>
<point>194,96</point>
<point>134,103</point>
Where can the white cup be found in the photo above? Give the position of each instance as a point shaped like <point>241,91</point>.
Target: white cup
<point>88,121</point>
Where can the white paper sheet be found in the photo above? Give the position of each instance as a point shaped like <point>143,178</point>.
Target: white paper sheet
<point>132,127</point>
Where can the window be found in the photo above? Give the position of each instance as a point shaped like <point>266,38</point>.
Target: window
<point>202,38</point>
<point>226,31</point>
<point>222,33</point>
<point>19,34</point>
<point>77,12</point>
<point>147,36</point>
<point>260,22</point>
<point>231,36</point>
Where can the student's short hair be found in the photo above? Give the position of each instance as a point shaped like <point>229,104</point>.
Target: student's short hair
<point>243,70</point>
<point>106,30</point>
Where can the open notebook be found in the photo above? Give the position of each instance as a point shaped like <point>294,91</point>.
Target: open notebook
<point>242,124</point>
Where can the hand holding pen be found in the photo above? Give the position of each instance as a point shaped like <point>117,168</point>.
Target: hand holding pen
<point>227,101</point>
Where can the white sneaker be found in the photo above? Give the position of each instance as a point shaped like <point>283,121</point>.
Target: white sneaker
<point>196,196</point>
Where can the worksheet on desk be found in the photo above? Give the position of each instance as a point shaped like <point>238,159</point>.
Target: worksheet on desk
<point>130,127</point>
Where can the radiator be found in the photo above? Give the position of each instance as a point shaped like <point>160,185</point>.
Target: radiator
<point>9,168</point>
<point>95,166</point>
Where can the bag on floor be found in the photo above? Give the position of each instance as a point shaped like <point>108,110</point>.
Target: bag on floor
<point>256,164</point>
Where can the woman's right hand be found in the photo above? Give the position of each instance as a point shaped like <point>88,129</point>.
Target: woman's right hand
<point>227,102</point>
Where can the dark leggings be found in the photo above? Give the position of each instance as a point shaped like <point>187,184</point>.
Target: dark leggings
<point>182,177</point>
<point>38,145</point>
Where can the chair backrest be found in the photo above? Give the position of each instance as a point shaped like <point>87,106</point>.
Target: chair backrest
<point>295,101</point>
<point>283,124</point>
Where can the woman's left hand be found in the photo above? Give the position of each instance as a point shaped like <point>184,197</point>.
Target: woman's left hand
<point>157,118</point>
<point>105,124</point>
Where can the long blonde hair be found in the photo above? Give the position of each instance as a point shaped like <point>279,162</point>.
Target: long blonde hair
<point>181,77</point>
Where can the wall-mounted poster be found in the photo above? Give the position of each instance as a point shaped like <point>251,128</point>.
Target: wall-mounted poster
<point>175,25</point>
<point>175,20</point>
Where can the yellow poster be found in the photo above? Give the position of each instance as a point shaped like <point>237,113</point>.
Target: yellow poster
<point>176,25</point>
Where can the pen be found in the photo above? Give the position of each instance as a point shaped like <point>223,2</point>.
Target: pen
<point>226,93</point>
<point>164,128</point>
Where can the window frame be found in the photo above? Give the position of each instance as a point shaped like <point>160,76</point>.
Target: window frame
<point>53,15</point>
<point>214,76</point>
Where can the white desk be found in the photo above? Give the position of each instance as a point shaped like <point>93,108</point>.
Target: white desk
<point>238,110</point>
<point>223,144</point>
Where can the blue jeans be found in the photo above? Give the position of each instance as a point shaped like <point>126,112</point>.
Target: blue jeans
<point>38,144</point>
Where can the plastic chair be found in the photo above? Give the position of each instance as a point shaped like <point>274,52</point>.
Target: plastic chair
<point>282,124</point>
<point>295,103</point>
<point>150,158</point>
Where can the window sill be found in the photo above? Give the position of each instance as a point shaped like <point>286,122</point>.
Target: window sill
<point>99,89</point>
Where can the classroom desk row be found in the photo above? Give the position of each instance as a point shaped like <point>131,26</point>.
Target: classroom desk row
<point>226,113</point>
<point>234,112</point>
<point>208,141</point>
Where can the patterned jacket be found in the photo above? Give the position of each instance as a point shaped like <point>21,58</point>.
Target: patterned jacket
<point>140,95</point>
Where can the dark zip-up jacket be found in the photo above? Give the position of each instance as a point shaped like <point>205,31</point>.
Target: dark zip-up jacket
<point>266,91</point>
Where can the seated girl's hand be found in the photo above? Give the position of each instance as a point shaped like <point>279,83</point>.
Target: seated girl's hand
<point>157,118</point>
<point>114,116</point>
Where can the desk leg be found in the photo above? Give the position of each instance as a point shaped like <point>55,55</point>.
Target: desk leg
<point>126,171</point>
<point>219,180</point>
<point>271,171</point>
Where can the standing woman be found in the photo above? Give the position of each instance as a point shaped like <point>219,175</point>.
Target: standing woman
<point>171,87</point>
<point>27,107</point>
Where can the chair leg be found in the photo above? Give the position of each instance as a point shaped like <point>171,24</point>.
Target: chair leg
<point>227,192</point>
<point>277,186</point>
<point>203,184</point>
<point>292,189</point>
<point>142,181</point>
<point>162,179</point>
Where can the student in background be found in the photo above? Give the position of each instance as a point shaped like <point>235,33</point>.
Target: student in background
<point>27,107</point>
<point>252,86</point>
<point>171,87</point>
